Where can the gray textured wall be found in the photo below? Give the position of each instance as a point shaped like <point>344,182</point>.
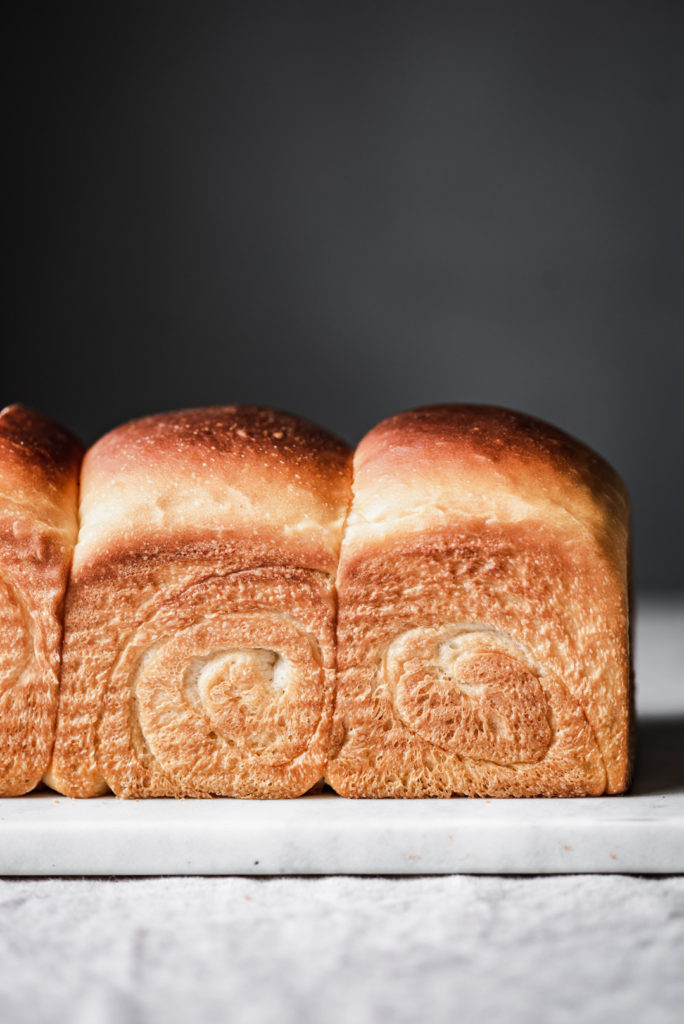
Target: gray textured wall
<point>349,210</point>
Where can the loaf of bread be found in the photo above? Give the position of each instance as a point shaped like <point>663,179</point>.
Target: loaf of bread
<point>38,507</point>
<point>483,636</point>
<point>199,648</point>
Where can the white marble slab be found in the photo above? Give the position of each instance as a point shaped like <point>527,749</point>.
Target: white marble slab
<point>47,835</point>
<point>642,832</point>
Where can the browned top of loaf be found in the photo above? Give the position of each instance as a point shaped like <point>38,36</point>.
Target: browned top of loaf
<point>491,432</point>
<point>215,471</point>
<point>28,439</point>
<point>39,463</point>
<point>222,434</point>
<point>423,467</point>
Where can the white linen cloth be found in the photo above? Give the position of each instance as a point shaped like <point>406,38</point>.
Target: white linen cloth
<point>347,950</point>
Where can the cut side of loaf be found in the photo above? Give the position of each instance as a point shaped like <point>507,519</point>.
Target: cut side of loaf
<point>199,649</point>
<point>483,632</point>
<point>39,463</point>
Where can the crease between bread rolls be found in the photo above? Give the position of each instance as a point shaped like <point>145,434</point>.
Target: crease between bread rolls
<point>199,651</point>
<point>483,622</point>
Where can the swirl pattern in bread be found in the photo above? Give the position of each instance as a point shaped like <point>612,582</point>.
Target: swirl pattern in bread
<point>199,650</point>
<point>483,643</point>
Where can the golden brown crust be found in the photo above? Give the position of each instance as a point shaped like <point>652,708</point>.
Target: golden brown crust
<point>426,466</point>
<point>202,472</point>
<point>483,618</point>
<point>38,494</point>
<point>494,433</point>
<point>199,635</point>
<point>222,436</point>
<point>36,444</point>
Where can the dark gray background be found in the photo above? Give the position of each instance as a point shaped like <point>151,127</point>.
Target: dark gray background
<point>348,210</point>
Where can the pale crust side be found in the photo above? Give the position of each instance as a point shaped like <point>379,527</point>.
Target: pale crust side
<point>483,635</point>
<point>199,646</point>
<point>39,464</point>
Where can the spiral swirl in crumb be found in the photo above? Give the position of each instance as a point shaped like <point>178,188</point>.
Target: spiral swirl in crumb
<point>471,690</point>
